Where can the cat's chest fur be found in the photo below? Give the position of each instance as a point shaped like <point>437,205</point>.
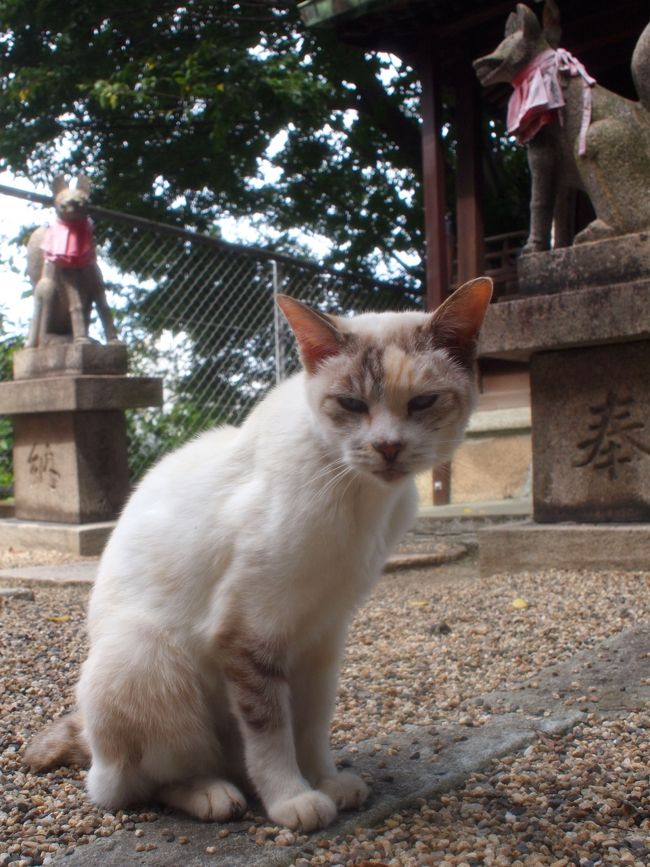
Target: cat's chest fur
<point>313,544</point>
<point>333,549</point>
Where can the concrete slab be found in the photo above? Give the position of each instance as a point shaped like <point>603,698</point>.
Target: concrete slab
<point>527,547</point>
<point>499,420</point>
<point>418,763</point>
<point>82,540</point>
<point>84,571</point>
<point>79,572</point>
<point>498,509</point>
<point>419,770</point>
<point>88,540</point>
<point>609,679</point>
<point>461,522</point>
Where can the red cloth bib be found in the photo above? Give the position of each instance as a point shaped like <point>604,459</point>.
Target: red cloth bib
<point>69,244</point>
<point>537,96</point>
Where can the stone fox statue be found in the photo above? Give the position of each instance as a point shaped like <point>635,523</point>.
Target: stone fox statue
<point>62,268</point>
<point>579,135</point>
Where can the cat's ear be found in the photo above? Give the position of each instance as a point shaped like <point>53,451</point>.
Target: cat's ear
<point>317,335</point>
<point>455,325</point>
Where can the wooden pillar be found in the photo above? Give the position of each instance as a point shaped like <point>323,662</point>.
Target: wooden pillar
<point>435,207</point>
<point>470,233</point>
<point>469,192</point>
<point>433,174</point>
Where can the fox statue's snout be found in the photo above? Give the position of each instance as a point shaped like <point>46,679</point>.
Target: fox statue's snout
<point>521,44</point>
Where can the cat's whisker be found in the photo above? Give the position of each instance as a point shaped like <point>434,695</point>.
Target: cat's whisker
<point>335,470</point>
<point>335,465</point>
<point>320,493</point>
<point>324,492</point>
<point>345,490</point>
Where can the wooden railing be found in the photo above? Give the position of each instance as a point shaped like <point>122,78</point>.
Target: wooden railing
<point>501,252</point>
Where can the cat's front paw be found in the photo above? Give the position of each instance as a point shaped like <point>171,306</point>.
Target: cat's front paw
<point>307,812</point>
<point>346,790</point>
<point>207,800</point>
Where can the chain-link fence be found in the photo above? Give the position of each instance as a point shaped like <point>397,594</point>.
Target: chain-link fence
<point>201,313</point>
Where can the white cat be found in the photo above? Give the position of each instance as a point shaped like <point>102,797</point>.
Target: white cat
<point>221,605</point>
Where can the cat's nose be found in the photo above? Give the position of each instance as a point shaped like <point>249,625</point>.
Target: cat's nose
<point>388,450</point>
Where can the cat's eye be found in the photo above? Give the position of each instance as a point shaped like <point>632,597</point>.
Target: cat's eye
<point>352,404</point>
<point>422,401</point>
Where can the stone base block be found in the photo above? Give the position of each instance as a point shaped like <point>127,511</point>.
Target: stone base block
<point>67,393</point>
<point>591,434</point>
<point>70,466</point>
<point>514,330</point>
<point>71,359</point>
<point>82,540</point>
<point>530,547</point>
<point>7,509</point>
<point>599,263</point>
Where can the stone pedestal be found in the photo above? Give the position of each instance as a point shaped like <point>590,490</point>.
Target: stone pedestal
<point>67,403</point>
<point>589,353</point>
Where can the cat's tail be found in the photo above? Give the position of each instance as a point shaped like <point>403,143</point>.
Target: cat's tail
<point>62,742</point>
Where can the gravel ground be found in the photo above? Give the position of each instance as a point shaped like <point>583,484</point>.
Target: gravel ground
<point>581,799</point>
<point>425,645</point>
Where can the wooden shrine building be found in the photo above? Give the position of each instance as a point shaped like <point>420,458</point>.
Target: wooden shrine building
<point>439,39</point>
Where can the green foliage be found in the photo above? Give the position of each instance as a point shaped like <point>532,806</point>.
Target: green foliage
<point>8,344</point>
<point>172,107</point>
<point>507,181</point>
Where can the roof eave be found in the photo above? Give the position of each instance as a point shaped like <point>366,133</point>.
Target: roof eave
<point>329,12</point>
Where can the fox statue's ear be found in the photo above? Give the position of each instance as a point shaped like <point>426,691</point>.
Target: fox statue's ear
<point>317,336</point>
<point>528,23</point>
<point>83,184</point>
<point>512,24</point>
<point>59,183</point>
<point>552,27</point>
<point>456,323</point>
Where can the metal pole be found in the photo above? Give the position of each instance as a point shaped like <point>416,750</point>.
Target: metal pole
<point>279,360</point>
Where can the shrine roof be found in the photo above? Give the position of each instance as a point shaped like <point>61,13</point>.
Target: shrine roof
<point>603,34</point>
<point>371,14</point>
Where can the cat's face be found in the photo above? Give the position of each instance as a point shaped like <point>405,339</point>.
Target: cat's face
<point>392,392</point>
